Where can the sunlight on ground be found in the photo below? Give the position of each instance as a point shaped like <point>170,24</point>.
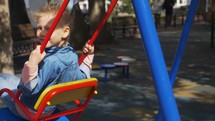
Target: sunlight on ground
<point>138,113</point>
<point>194,91</point>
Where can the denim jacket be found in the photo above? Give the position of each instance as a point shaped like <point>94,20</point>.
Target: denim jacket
<point>59,65</point>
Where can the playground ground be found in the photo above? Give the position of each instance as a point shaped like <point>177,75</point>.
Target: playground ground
<point>134,99</point>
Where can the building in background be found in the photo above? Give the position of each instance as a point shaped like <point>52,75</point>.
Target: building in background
<point>181,3</point>
<point>85,3</point>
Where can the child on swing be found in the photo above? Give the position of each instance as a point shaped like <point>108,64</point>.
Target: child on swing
<point>57,64</point>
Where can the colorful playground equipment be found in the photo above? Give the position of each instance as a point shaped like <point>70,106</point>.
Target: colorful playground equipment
<point>163,81</point>
<point>54,95</point>
<point>123,65</point>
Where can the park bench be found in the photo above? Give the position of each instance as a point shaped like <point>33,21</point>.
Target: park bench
<point>24,39</point>
<point>182,13</point>
<point>127,25</point>
<point>23,48</point>
<point>21,52</point>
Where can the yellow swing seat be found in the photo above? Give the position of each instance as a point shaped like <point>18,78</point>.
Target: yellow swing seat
<point>54,95</point>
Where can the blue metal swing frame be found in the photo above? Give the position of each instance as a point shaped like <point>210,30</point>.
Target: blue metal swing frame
<point>163,81</point>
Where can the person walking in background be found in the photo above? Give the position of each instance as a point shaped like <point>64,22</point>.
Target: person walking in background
<point>84,10</point>
<point>157,8</point>
<point>168,7</point>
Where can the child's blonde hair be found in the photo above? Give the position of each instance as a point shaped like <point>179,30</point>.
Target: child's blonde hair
<point>52,9</point>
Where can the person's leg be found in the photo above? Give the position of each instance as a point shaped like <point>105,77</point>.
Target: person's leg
<point>166,21</point>
<point>170,16</point>
<point>11,82</point>
<point>158,18</point>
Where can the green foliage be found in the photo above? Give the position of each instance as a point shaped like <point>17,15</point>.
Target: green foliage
<point>126,7</point>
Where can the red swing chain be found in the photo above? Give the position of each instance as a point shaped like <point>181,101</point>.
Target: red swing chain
<point>98,29</point>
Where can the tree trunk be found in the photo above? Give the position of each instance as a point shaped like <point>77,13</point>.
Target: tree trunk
<point>6,53</point>
<point>79,29</point>
<point>96,13</point>
<point>213,6</point>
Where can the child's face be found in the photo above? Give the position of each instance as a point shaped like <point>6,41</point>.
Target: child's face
<point>59,35</point>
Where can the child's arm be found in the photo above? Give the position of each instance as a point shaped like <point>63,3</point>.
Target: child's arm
<point>29,72</point>
<point>30,69</point>
<point>89,49</point>
<point>86,66</point>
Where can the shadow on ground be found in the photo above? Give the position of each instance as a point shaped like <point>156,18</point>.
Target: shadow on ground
<point>135,99</point>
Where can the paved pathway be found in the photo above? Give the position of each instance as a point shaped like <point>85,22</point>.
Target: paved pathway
<point>135,99</point>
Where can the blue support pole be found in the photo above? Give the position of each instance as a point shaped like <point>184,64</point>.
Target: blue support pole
<point>156,60</point>
<point>183,39</point>
<point>181,46</point>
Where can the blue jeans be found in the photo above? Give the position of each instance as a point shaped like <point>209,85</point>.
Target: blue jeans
<point>11,82</point>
